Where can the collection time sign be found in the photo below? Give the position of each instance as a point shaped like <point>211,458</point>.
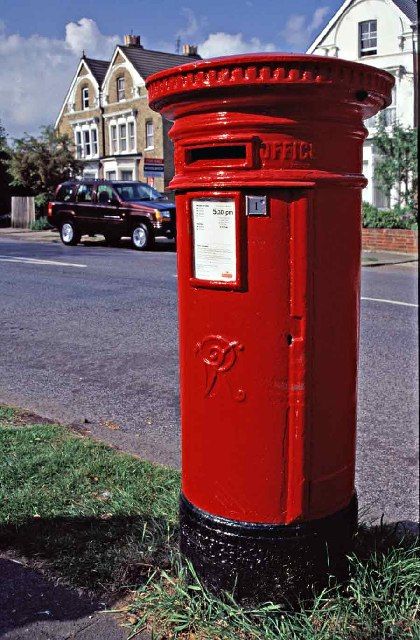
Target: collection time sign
<point>214,233</point>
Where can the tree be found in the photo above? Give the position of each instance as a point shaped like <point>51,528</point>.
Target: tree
<point>39,164</point>
<point>397,165</point>
<point>4,177</point>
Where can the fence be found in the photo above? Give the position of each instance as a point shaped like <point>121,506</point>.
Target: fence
<point>23,211</point>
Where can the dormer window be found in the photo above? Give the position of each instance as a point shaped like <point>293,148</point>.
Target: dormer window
<point>367,38</point>
<point>120,88</point>
<point>85,98</point>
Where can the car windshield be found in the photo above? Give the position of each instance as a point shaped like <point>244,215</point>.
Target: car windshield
<point>137,191</point>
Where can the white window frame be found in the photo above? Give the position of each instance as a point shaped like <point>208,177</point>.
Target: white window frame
<point>113,139</point>
<point>122,139</point>
<point>78,143</point>
<point>150,137</point>
<point>131,135</point>
<point>120,91</point>
<point>94,141</point>
<point>85,98</point>
<point>87,146</point>
<point>370,35</point>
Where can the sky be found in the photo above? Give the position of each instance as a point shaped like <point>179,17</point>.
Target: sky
<point>41,41</point>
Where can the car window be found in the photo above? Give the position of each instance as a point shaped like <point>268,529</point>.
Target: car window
<point>85,193</point>
<point>137,191</point>
<point>105,188</point>
<point>65,193</point>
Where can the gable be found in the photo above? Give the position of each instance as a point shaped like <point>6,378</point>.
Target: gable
<point>375,9</point>
<point>118,59</point>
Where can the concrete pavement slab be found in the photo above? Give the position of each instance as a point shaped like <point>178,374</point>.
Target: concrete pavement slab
<point>381,258</point>
<point>36,608</point>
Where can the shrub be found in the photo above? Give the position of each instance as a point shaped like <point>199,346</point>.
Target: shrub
<point>395,218</point>
<point>41,224</point>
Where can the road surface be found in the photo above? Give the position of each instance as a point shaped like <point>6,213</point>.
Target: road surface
<point>89,337</point>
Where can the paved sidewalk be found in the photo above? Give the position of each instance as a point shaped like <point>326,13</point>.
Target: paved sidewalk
<point>35,608</point>
<point>381,258</point>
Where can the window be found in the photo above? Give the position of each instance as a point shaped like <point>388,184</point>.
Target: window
<point>126,175</point>
<point>85,98</point>
<point>111,175</point>
<point>120,88</point>
<point>131,136</point>
<point>65,193</point>
<point>86,142</point>
<point>94,134</point>
<point>123,137</point>
<point>136,191</point>
<point>367,38</point>
<point>105,188</point>
<point>149,135</point>
<point>84,193</point>
<point>114,145</point>
<point>79,148</point>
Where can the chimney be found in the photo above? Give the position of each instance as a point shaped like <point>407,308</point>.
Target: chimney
<point>189,50</point>
<point>132,41</point>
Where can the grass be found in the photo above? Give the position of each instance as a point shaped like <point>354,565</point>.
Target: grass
<point>93,517</point>
<point>105,521</point>
<point>381,602</point>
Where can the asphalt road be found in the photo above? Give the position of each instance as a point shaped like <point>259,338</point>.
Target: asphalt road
<point>93,342</point>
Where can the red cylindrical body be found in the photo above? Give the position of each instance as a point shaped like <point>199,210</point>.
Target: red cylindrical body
<point>268,155</point>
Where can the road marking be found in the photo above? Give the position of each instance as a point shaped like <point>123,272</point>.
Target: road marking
<point>403,304</point>
<point>35,261</point>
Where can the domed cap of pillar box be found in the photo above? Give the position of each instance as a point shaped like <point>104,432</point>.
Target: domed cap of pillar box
<point>270,79</point>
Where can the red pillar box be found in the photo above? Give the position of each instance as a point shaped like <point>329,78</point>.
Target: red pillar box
<point>268,155</point>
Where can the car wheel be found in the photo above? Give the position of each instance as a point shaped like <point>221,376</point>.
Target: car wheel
<point>69,234</point>
<point>112,240</point>
<point>141,237</point>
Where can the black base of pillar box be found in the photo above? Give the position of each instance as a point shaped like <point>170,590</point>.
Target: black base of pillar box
<point>263,562</point>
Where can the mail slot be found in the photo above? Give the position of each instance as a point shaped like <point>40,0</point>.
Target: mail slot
<point>268,186</point>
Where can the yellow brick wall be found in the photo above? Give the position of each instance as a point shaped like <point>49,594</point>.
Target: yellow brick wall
<point>82,84</point>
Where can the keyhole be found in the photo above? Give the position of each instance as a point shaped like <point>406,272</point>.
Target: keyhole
<point>289,339</point>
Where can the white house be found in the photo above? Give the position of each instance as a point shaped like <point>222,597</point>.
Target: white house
<point>382,33</point>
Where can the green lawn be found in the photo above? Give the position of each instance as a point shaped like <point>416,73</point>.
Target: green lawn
<point>105,521</point>
<point>90,515</point>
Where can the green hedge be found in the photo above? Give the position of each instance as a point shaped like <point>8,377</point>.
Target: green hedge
<point>395,218</point>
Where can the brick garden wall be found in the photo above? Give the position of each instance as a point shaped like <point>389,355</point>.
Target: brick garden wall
<point>398,240</point>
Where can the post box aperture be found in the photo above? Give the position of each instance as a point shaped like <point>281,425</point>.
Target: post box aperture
<point>268,185</point>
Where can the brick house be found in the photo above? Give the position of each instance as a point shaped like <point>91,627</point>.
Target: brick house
<point>107,115</point>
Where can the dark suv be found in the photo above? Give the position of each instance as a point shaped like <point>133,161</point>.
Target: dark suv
<point>112,208</point>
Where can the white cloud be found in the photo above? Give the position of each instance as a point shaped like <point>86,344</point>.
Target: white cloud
<point>192,26</point>
<point>85,35</point>
<point>224,44</point>
<point>299,28</point>
<point>35,72</point>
